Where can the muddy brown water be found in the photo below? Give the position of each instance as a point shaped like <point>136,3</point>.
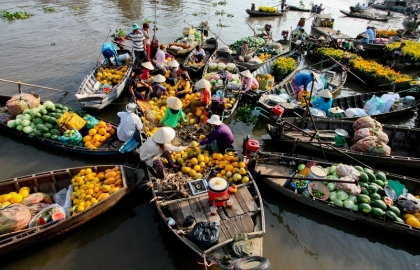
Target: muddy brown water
<point>58,50</point>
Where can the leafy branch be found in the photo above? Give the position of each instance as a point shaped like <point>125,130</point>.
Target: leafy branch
<point>244,114</point>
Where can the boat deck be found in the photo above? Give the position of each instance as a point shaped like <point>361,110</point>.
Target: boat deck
<point>275,170</point>
<point>326,31</point>
<point>234,220</point>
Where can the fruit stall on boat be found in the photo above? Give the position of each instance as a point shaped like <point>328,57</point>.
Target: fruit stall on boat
<point>210,47</point>
<point>44,205</point>
<point>186,43</point>
<point>57,126</point>
<point>213,193</point>
<point>390,147</point>
<point>361,194</point>
<point>103,84</point>
<point>323,25</point>
<point>254,43</point>
<point>266,11</point>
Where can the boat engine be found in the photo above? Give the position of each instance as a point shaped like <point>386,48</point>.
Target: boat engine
<point>276,112</point>
<point>285,34</point>
<point>250,147</point>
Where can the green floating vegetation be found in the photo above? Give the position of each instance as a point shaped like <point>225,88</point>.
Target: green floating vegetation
<point>220,12</point>
<point>49,9</point>
<point>244,114</point>
<point>76,8</point>
<point>230,15</point>
<point>18,15</point>
<point>199,13</point>
<point>146,20</point>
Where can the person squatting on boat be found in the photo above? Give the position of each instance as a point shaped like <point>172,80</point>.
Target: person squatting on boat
<point>205,100</point>
<point>157,147</point>
<point>129,122</point>
<point>198,54</point>
<point>323,101</point>
<point>248,81</point>
<point>302,79</point>
<point>183,87</point>
<point>220,138</point>
<point>108,51</point>
<point>157,88</point>
<point>133,87</point>
<point>139,45</point>
<point>173,67</point>
<point>243,53</point>
<point>173,114</point>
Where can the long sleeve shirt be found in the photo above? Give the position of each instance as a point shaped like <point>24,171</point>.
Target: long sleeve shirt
<point>158,89</point>
<point>248,82</point>
<point>171,120</point>
<point>160,58</point>
<point>303,78</point>
<point>110,47</point>
<point>205,96</point>
<point>149,151</point>
<point>320,103</point>
<point>128,125</point>
<point>223,136</point>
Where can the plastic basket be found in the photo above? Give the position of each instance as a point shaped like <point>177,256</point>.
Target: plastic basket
<point>187,31</point>
<point>265,84</point>
<point>293,185</point>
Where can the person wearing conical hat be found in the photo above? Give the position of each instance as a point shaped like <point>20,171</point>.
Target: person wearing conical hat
<point>205,100</point>
<point>248,81</point>
<point>139,45</point>
<point>323,101</point>
<point>173,113</point>
<point>158,89</point>
<point>129,123</point>
<point>157,147</point>
<point>146,68</point>
<point>220,138</point>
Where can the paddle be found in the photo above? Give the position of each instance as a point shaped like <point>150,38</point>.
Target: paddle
<point>99,57</point>
<point>348,70</point>
<point>33,85</point>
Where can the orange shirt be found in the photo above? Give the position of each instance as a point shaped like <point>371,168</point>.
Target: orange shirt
<point>205,96</point>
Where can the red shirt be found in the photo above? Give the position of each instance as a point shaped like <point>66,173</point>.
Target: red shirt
<point>205,96</point>
<point>145,75</point>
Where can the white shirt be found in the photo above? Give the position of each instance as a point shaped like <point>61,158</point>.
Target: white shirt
<point>149,150</point>
<point>195,52</point>
<point>129,123</point>
<point>160,58</point>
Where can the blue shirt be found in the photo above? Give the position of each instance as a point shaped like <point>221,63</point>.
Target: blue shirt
<point>320,103</point>
<point>303,78</point>
<point>109,47</point>
<point>370,34</point>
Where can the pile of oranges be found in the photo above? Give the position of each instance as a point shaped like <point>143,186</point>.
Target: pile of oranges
<point>14,197</point>
<point>98,135</point>
<point>90,187</point>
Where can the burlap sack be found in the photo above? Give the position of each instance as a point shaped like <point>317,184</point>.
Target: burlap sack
<point>18,103</point>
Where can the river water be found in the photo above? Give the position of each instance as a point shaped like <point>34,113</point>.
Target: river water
<point>58,50</point>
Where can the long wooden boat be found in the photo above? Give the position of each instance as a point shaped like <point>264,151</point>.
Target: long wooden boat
<point>393,5</point>
<point>403,141</point>
<point>89,93</point>
<point>109,148</point>
<point>365,16</point>
<point>182,51</point>
<point>377,48</point>
<point>253,66</point>
<point>210,47</point>
<point>256,13</point>
<point>336,79</point>
<point>274,169</point>
<point>50,183</point>
<point>279,82</point>
<point>376,82</point>
<point>296,8</point>
<point>403,66</point>
<point>245,216</point>
<point>360,9</point>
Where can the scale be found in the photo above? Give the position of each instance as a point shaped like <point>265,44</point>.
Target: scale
<point>198,186</point>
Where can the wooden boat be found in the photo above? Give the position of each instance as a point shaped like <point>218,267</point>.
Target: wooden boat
<point>365,16</point>
<point>274,169</point>
<point>187,48</point>
<point>393,5</point>
<point>266,69</point>
<point>323,24</point>
<point>50,183</point>
<point>360,9</point>
<point>256,13</point>
<point>376,82</point>
<point>109,148</point>
<point>296,8</point>
<point>336,80</point>
<point>403,66</point>
<point>403,141</point>
<point>245,216</point>
<point>210,47</point>
<point>219,56</point>
<point>90,94</point>
<point>253,66</point>
<point>376,48</point>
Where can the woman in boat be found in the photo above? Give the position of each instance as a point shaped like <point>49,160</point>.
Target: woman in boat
<point>129,123</point>
<point>146,68</point>
<point>248,81</point>
<point>173,113</point>
<point>205,100</point>
<point>133,87</point>
<point>323,101</point>
<point>160,58</point>
<point>182,70</point>
<point>301,24</point>
<point>157,147</point>
<point>108,51</point>
<point>302,79</point>
<point>173,69</point>
<point>145,32</point>
<point>183,86</point>
<point>158,89</point>
<point>198,54</point>
<point>220,138</point>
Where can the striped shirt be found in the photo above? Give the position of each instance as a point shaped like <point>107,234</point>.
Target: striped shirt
<point>137,41</point>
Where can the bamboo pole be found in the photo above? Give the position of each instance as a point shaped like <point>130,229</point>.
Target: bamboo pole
<point>33,85</point>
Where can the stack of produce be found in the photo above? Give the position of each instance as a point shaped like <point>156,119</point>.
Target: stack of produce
<point>384,33</point>
<point>14,197</point>
<point>111,75</point>
<point>411,51</point>
<point>267,9</point>
<point>269,51</point>
<point>186,41</point>
<point>98,135</point>
<point>283,66</point>
<point>369,137</point>
<point>90,187</point>
<point>233,80</point>
<point>253,43</point>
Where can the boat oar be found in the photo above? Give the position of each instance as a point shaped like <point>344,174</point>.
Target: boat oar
<point>33,85</point>
<point>348,70</point>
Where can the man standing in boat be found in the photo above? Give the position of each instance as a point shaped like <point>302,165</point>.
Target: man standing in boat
<point>319,9</point>
<point>283,4</point>
<point>139,45</point>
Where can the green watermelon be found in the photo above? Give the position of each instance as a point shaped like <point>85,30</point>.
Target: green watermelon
<point>379,204</point>
<point>370,175</point>
<point>395,210</point>
<point>360,169</point>
<point>37,121</point>
<point>375,196</point>
<point>46,135</point>
<point>363,199</point>
<point>377,212</point>
<point>58,106</point>
<point>52,120</point>
<point>364,177</point>
<point>364,208</point>
<point>380,176</point>
<point>391,215</point>
<point>54,137</point>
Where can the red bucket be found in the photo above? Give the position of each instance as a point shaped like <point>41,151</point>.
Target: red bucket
<point>218,191</point>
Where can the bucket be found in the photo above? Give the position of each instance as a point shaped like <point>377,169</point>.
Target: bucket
<point>317,172</point>
<point>124,57</point>
<point>218,191</point>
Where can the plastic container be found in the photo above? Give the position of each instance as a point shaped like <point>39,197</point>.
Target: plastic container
<point>265,84</point>
<point>218,191</point>
<point>300,190</point>
<point>390,99</point>
<point>409,101</point>
<point>124,57</point>
<point>317,172</point>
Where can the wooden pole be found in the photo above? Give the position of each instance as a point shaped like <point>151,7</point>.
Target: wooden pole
<point>33,85</point>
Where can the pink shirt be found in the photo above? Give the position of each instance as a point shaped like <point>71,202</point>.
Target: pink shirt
<point>160,58</point>
<point>248,82</point>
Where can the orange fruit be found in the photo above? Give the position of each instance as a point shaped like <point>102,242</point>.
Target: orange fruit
<point>87,138</point>
<point>242,164</point>
<point>97,144</point>
<point>112,131</point>
<point>108,135</point>
<point>102,131</point>
<point>197,168</point>
<point>229,168</point>
<point>102,124</point>
<point>97,137</point>
<point>92,131</point>
<point>102,139</point>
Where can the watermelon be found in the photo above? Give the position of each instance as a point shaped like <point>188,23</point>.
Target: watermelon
<point>372,188</point>
<point>363,184</point>
<point>363,177</point>
<point>360,169</point>
<point>26,123</point>
<point>58,106</point>
<point>391,215</point>
<point>54,137</point>
<point>46,135</point>
<point>52,120</point>
<point>377,212</point>
<point>355,207</point>
<point>380,176</point>
<point>399,220</point>
<point>58,216</point>
<point>54,131</point>
<point>37,121</point>
<point>27,129</point>
<point>375,196</point>
<point>364,191</point>
<point>48,125</point>
<point>20,116</point>
<point>43,111</point>
<point>395,210</point>
<point>379,182</point>
<point>45,118</point>
<point>365,208</point>
<point>27,111</point>
<point>388,201</point>
<point>370,175</point>
<point>41,128</point>
<point>379,204</point>
<point>58,111</point>
<point>363,199</point>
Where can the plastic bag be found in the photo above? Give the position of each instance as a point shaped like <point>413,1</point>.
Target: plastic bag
<point>381,149</point>
<point>408,203</point>
<point>352,189</point>
<point>90,121</point>
<point>18,103</point>
<point>347,171</point>
<point>46,215</point>
<point>60,197</point>
<point>36,207</point>
<point>362,133</point>
<point>205,234</point>
<point>367,122</point>
<point>382,137</point>
<point>374,104</point>
<point>37,198</point>
<point>14,217</point>
<point>365,145</point>
<point>71,120</point>
<point>74,139</point>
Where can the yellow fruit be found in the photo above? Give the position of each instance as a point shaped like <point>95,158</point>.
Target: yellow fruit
<point>25,188</point>
<point>229,174</point>
<point>6,198</point>
<point>24,193</point>
<point>101,124</point>
<point>192,121</point>
<point>202,164</point>
<point>229,168</point>
<point>223,172</point>
<point>105,188</point>
<point>102,131</point>
<point>5,204</point>
<point>194,143</point>
<point>200,158</point>
<point>194,161</point>
<point>412,221</point>
<point>113,190</point>
<point>192,173</point>
<point>92,132</point>
<point>245,179</point>
<point>16,198</point>
<point>110,174</point>
<point>202,137</point>
<point>197,168</point>
<point>242,171</point>
<point>198,176</point>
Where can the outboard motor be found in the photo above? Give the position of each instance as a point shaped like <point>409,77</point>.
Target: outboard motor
<point>250,147</point>
<point>276,112</point>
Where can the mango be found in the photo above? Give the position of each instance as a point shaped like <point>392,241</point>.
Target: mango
<point>103,196</point>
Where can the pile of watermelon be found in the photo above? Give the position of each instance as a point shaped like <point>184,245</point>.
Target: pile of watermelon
<point>40,121</point>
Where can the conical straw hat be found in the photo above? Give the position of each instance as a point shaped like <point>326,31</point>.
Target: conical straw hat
<point>246,73</point>
<point>203,83</point>
<point>325,93</point>
<point>148,65</point>
<point>159,78</point>
<point>164,135</point>
<point>174,103</point>
<point>173,63</point>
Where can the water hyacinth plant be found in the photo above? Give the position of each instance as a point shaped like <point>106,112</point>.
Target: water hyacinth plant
<point>18,15</point>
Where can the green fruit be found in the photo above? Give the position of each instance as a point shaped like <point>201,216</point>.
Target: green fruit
<point>377,186</point>
<point>399,220</point>
<point>370,175</point>
<point>375,196</point>
<point>364,177</point>
<point>364,191</point>
<point>380,176</point>
<point>379,183</point>
<point>372,188</point>
<point>377,212</point>
<point>301,167</point>
<point>391,215</point>
<point>363,184</point>
<point>360,169</point>
<point>379,204</point>
<point>363,199</point>
<point>364,208</point>
<point>46,135</point>
<point>395,210</point>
